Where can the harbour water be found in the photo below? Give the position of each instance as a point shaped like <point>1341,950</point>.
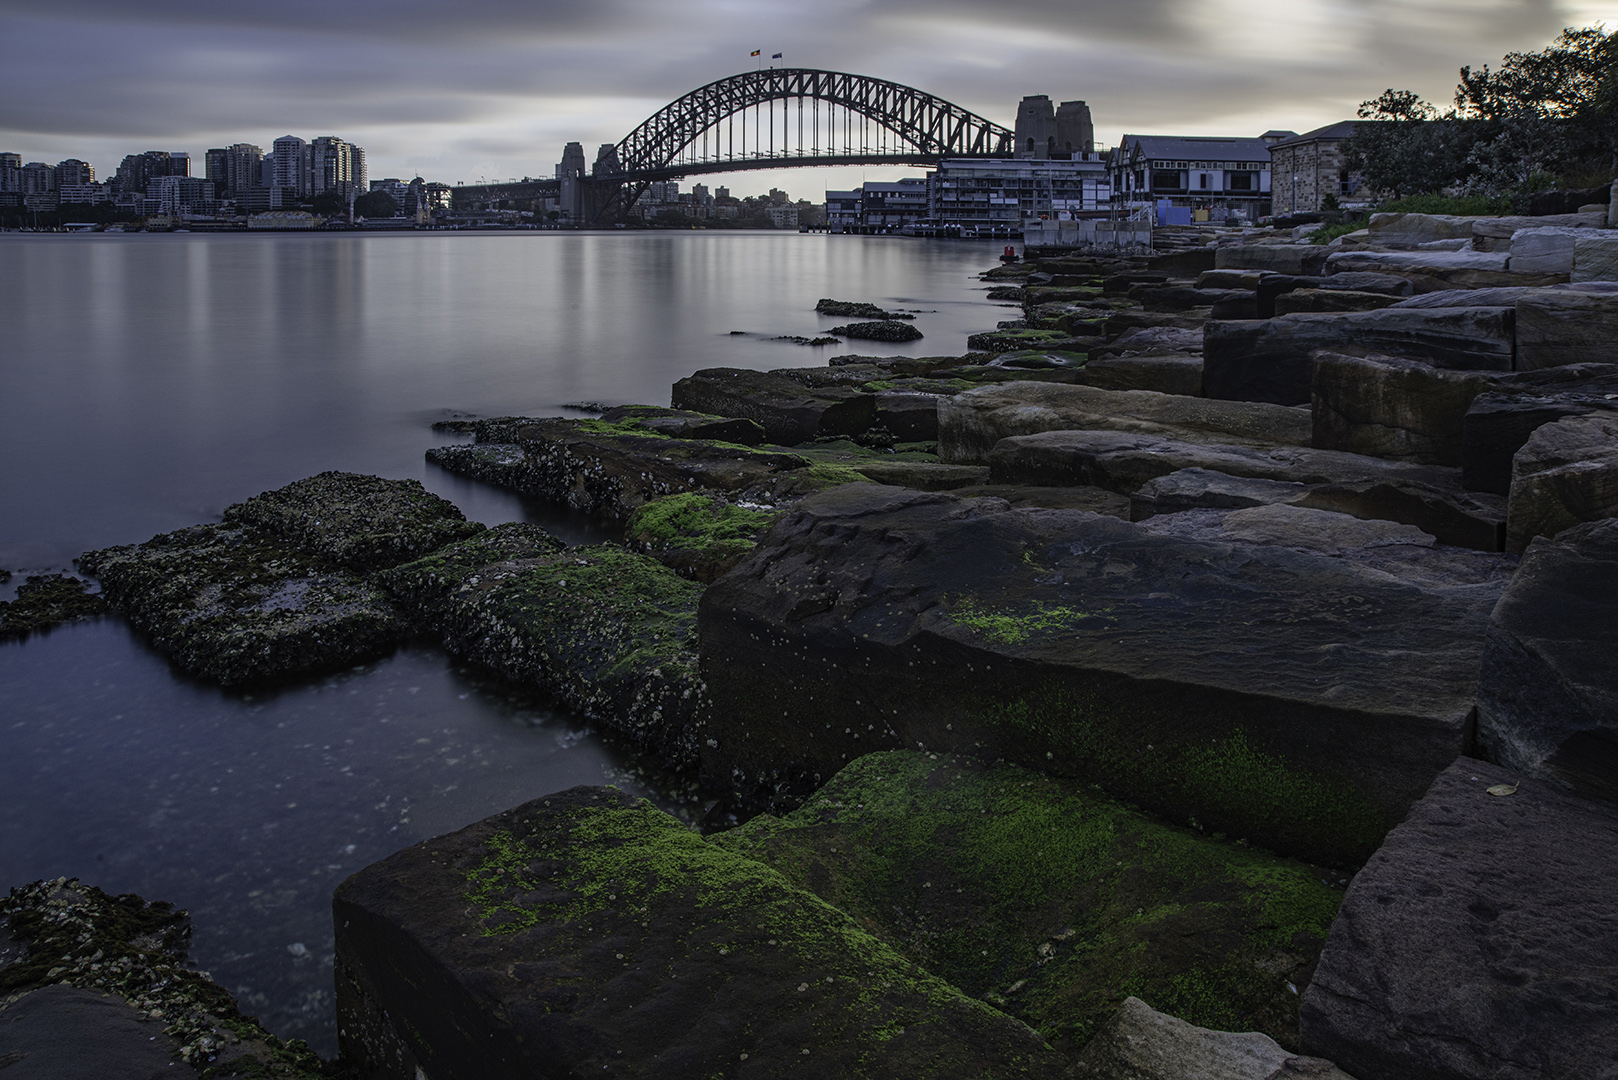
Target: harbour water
<point>147,381</point>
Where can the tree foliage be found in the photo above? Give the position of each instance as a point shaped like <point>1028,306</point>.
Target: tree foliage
<point>1539,119</point>
<point>376,204</point>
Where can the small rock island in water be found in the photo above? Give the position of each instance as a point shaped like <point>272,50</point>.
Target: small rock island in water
<point>1209,674</point>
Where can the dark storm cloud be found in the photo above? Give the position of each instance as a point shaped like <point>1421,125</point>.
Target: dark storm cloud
<point>492,86</point>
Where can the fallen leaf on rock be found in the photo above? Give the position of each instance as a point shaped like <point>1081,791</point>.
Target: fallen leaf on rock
<point>1505,789</point>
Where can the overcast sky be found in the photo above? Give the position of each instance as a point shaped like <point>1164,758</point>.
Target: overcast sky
<point>457,91</point>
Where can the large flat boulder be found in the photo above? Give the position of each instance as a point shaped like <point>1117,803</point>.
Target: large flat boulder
<point>1122,462</point>
<point>970,424</point>
<point>281,587</point>
<point>1502,233</point>
<point>1548,698</point>
<point>610,633</point>
<point>1434,271</point>
<point>1413,229</point>
<point>1478,943</point>
<point>606,470</point>
<point>588,934</point>
<point>789,412</point>
<point>1567,326</point>
<point>1546,250</point>
<point>1141,1043</point>
<point>1273,359</point>
<point>931,853</point>
<point>1328,300</point>
<point>1391,407</point>
<point>1595,258</point>
<point>874,618</point>
<point>1451,517</point>
<point>1566,473</point>
<point>1295,259</point>
<point>1499,422</point>
<point>1174,373</point>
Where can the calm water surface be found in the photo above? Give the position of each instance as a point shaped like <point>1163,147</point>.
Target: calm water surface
<point>146,382</point>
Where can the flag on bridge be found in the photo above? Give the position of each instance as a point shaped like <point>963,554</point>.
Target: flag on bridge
<point>775,56</point>
<point>755,52</point>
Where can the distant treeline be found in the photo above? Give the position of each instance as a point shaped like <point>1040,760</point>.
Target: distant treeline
<point>1546,119</point>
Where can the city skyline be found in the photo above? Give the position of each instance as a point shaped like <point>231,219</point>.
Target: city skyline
<point>490,90</point>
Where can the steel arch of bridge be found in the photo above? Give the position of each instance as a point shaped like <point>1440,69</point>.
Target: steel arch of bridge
<point>924,129</point>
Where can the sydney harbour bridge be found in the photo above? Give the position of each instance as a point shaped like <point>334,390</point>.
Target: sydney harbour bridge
<point>767,119</point>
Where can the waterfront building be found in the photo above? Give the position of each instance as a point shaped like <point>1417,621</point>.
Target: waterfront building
<point>891,205</point>
<point>291,165</point>
<point>783,217</point>
<point>1309,167</point>
<point>90,192</point>
<point>11,173</point>
<point>1198,178</point>
<point>843,209</point>
<point>1004,193</point>
<point>181,195</point>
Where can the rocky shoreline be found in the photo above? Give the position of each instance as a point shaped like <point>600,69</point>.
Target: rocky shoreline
<point>1153,690</point>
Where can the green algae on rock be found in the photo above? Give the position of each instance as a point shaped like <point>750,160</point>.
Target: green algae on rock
<point>1049,899</point>
<point>44,601</point>
<point>610,632</point>
<point>76,935</point>
<point>361,522</point>
<point>233,607</point>
<point>588,932</point>
<point>424,586</point>
<point>697,534</point>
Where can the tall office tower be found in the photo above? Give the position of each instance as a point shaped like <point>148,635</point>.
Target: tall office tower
<point>216,169</point>
<point>1075,133</point>
<point>291,157</point>
<point>10,172</point>
<point>1036,127</point>
<point>74,171</point>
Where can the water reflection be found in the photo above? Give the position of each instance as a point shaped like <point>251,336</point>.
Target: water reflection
<point>248,809</point>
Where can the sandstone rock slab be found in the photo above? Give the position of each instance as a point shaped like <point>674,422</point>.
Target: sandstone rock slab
<point>1179,374</point>
<point>1412,229</point>
<point>1498,422</point>
<point>1054,638</point>
<point>1543,250</point>
<point>1478,942</point>
<point>1141,1043</point>
<point>587,933</point>
<point>1331,300</point>
<point>1273,360</point>
<point>1433,271</point>
<point>788,411</point>
<point>1595,258</point>
<point>1566,473</point>
<point>1391,407</point>
<point>1298,259</point>
<point>970,424</point>
<point>1566,326</point>
<point>1548,698</point>
<point>681,424</point>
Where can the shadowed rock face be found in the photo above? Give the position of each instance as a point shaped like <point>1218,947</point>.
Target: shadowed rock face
<point>587,934</point>
<point>1478,942</point>
<point>1566,473</point>
<point>1548,698</point>
<point>1176,673</point>
<point>1273,360</point>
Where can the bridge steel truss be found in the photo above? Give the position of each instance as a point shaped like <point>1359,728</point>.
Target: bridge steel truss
<point>910,127</point>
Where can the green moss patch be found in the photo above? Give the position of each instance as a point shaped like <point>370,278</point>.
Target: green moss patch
<point>697,534</point>
<point>423,585</point>
<point>1013,627</point>
<point>1051,900</point>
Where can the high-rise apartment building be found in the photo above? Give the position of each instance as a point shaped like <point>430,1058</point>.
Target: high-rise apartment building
<point>137,171</point>
<point>216,168</point>
<point>38,178</point>
<point>74,171</point>
<point>244,167</point>
<point>10,172</point>
<point>331,165</point>
<point>291,165</point>
<point>361,177</point>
